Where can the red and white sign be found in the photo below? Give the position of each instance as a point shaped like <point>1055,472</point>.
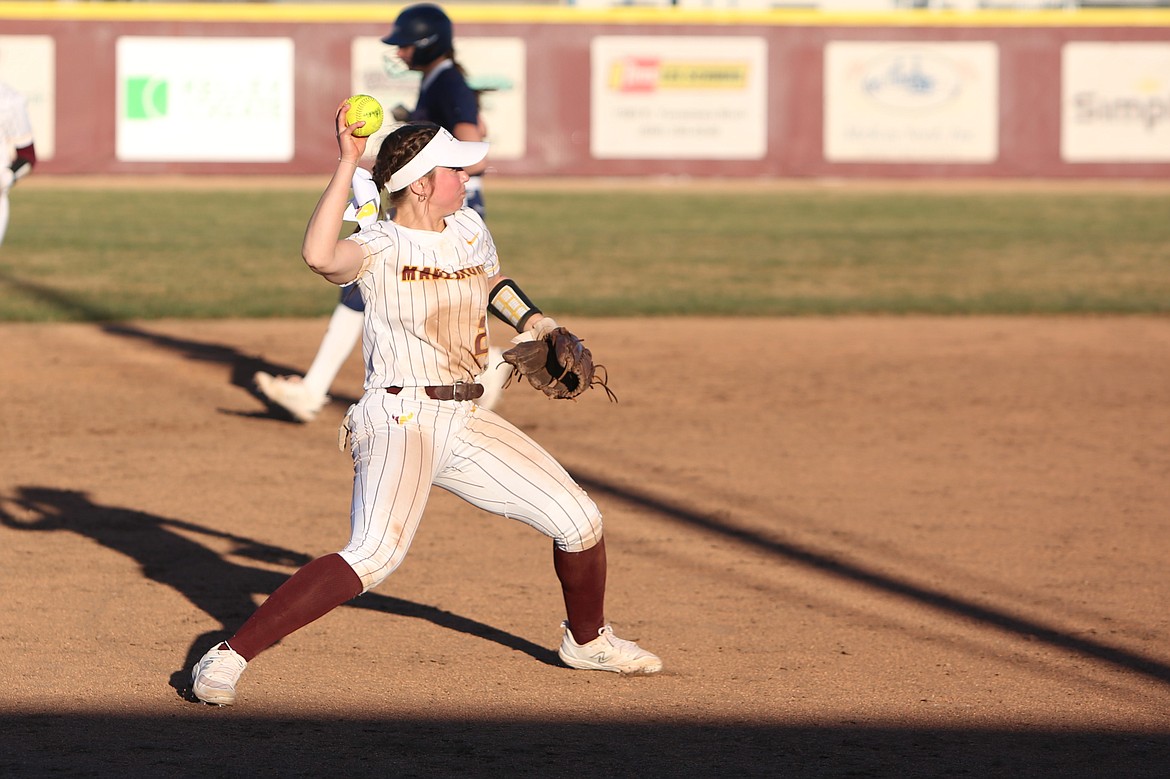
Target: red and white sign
<point>679,98</point>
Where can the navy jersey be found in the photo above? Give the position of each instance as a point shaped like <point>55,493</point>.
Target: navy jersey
<point>445,99</point>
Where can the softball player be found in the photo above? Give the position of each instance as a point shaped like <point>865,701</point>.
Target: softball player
<point>428,278</point>
<point>16,141</point>
<point>424,36</point>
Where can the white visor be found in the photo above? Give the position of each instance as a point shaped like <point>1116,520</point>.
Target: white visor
<point>442,151</point>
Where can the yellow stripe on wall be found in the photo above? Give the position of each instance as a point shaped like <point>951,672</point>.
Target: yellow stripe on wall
<point>521,14</point>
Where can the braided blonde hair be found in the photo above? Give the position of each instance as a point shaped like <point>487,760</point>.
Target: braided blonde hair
<point>399,148</point>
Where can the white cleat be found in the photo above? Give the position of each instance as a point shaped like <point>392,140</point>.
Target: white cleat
<point>607,652</point>
<point>214,678</point>
<point>291,394</point>
<point>493,378</point>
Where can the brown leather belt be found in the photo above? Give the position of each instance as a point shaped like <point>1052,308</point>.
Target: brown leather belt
<point>459,391</point>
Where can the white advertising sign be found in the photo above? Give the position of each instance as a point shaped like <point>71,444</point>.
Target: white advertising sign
<point>911,102</point>
<point>1115,101</point>
<point>204,99</point>
<point>28,65</point>
<point>495,67</point>
<point>663,97</point>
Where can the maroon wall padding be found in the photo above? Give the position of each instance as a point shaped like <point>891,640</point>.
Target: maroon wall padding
<point>558,97</point>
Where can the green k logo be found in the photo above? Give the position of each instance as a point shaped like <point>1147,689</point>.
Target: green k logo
<point>146,97</point>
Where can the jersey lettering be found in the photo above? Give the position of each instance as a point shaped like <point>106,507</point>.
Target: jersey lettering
<point>415,273</point>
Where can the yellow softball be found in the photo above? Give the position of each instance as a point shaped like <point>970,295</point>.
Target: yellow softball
<point>363,108</point>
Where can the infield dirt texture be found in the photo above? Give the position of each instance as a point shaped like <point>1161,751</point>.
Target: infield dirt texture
<point>862,546</point>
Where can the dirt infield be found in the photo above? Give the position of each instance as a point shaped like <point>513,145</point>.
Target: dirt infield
<point>864,547</point>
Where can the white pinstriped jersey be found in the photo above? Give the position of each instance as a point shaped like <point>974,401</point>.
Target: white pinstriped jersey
<point>15,130</point>
<point>426,301</point>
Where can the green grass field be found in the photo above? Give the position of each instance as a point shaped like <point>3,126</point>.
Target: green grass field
<point>99,255</point>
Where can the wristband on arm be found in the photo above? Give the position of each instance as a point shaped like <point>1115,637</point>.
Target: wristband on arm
<point>507,302</point>
<point>20,168</point>
<point>363,206</point>
<point>26,157</point>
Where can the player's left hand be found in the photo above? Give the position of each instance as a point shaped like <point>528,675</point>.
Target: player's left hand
<point>557,363</point>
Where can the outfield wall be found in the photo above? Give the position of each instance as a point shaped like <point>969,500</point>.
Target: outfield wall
<point>225,88</point>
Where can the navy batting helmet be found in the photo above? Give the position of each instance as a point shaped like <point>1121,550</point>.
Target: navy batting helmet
<point>427,29</point>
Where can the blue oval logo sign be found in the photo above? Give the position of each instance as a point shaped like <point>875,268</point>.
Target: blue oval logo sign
<point>911,78</point>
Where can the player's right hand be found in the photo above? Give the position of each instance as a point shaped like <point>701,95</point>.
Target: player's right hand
<point>349,146</point>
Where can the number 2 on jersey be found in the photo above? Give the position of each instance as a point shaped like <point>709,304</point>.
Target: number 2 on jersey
<point>481,339</point>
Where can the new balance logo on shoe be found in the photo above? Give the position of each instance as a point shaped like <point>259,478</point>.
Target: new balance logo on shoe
<point>607,652</point>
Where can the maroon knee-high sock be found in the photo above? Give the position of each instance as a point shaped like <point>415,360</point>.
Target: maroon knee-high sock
<point>311,593</point>
<point>582,576</point>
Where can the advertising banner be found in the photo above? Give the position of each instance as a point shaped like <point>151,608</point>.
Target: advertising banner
<point>1115,101</point>
<point>494,67</point>
<point>694,98</point>
<point>911,102</point>
<point>204,99</point>
<point>28,65</point>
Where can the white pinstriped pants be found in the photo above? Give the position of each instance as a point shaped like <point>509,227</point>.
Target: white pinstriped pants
<point>402,444</point>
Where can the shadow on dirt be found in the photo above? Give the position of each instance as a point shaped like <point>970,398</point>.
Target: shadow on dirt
<point>952,605</point>
<point>242,366</point>
<point>226,742</point>
<point>208,579</point>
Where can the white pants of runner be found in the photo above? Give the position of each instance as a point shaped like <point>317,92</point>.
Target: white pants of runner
<point>403,444</point>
